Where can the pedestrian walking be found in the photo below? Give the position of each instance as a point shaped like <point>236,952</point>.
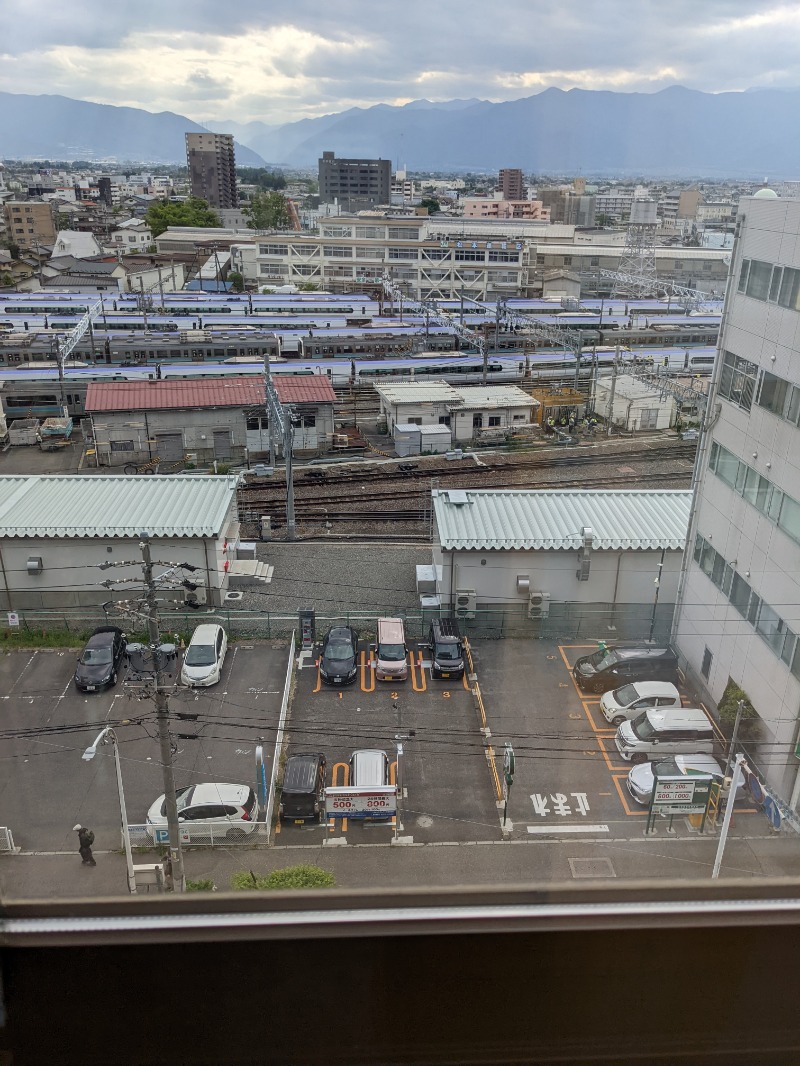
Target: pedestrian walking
<point>85,841</point>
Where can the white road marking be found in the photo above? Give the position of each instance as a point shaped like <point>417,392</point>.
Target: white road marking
<point>557,829</point>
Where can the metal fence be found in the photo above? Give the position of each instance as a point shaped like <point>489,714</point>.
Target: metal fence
<point>202,834</point>
<point>566,621</point>
<point>6,840</point>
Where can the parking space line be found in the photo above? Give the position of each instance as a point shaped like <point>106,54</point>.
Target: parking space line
<point>319,678</point>
<point>597,728</point>
<point>569,668</point>
<point>464,679</point>
<point>367,665</point>
<point>614,769</point>
<point>490,758</point>
<point>345,775</point>
<point>617,779</point>
<point>422,685</point>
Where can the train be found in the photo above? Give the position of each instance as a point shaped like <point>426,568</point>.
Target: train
<point>34,391</point>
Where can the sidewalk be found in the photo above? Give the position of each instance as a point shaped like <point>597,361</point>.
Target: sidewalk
<point>536,862</point>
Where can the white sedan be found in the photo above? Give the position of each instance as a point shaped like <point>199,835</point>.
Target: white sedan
<point>202,663</point>
<point>642,776</point>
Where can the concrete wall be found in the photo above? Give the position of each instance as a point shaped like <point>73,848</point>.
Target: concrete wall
<point>615,577</point>
<point>196,426</point>
<point>70,576</point>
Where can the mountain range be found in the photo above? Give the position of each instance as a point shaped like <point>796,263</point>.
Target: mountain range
<point>59,128</point>
<point>676,132</point>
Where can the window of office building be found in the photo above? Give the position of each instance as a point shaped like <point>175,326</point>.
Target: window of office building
<point>337,231</point>
<point>273,249</point>
<point>402,253</point>
<point>369,252</point>
<point>370,232</point>
<point>403,233</point>
<point>336,251</point>
<point>737,381</point>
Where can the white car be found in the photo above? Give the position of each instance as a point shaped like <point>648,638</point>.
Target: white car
<point>202,662</point>
<point>642,776</point>
<point>211,801</point>
<point>627,702</point>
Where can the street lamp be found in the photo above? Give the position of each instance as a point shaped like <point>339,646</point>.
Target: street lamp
<point>105,736</point>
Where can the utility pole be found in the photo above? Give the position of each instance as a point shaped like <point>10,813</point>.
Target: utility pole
<point>613,390</point>
<point>162,719</point>
<point>280,418</point>
<point>160,286</point>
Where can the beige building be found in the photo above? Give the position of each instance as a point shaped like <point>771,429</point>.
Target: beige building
<point>485,207</point>
<point>30,222</point>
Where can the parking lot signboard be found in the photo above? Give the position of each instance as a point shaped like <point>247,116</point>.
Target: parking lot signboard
<point>349,801</point>
<point>683,794</point>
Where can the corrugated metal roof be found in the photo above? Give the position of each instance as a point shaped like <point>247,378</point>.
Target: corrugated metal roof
<point>522,519</point>
<point>85,505</point>
<point>494,396</point>
<point>304,389</point>
<point>153,395</point>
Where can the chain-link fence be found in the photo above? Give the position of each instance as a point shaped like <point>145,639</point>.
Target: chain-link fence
<point>565,621</point>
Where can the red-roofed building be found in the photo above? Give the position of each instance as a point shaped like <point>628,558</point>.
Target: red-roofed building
<point>201,420</point>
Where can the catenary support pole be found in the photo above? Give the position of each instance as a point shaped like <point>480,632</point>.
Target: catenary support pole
<point>162,719</point>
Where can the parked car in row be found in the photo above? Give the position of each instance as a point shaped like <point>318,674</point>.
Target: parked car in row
<point>303,790</point>
<point>204,656</point>
<point>101,659</point>
<point>623,704</point>
<point>641,778</point>
<point>676,730</point>
<point>211,801</point>
<point>338,663</point>
<point>610,668</point>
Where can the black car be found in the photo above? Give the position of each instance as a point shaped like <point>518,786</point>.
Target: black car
<point>303,791</point>
<point>621,664</point>
<point>337,664</point>
<point>99,662</point>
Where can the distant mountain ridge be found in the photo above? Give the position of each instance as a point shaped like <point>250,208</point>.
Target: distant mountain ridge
<point>676,132</point>
<point>57,127</point>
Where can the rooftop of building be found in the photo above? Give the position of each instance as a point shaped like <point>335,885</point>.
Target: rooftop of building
<point>522,519</point>
<point>84,505</point>
<point>155,395</point>
<point>466,396</point>
<point>304,389</point>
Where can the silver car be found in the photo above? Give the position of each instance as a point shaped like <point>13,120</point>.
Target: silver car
<point>642,777</point>
<point>627,702</point>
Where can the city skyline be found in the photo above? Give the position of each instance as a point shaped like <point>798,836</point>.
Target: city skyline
<point>277,66</point>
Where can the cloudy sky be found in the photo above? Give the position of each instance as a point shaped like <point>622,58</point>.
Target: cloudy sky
<point>278,62</point>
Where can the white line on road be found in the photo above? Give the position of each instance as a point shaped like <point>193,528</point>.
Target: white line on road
<point>558,829</point>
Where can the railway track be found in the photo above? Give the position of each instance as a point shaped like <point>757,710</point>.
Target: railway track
<point>261,488</point>
<point>316,514</point>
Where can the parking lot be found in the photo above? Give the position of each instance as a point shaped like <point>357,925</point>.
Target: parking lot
<point>446,792</point>
<point>569,780</point>
<point>47,788</point>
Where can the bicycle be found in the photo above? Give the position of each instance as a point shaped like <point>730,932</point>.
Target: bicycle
<point>156,465</point>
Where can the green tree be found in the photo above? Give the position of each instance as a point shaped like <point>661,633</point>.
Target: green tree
<point>603,220</point>
<point>6,280</point>
<point>267,210</point>
<point>265,179</point>
<point>190,212</point>
<point>236,280</point>
<point>432,204</point>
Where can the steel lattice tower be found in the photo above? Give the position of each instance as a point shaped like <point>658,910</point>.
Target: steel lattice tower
<point>637,265</point>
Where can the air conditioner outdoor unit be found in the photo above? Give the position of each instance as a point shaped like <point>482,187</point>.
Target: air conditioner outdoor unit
<point>539,605</point>
<point>195,597</point>
<point>466,602</point>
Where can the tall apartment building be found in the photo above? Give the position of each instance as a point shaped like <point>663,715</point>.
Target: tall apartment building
<point>212,168</point>
<point>354,183</point>
<point>511,184</point>
<point>738,618</point>
<point>565,205</point>
<point>30,222</point>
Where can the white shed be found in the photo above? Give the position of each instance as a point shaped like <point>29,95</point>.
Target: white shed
<point>635,404</point>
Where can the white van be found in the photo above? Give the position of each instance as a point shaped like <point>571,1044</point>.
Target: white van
<point>655,734</point>
<point>390,651</point>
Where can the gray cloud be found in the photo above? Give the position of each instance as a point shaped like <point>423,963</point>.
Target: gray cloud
<point>252,60</point>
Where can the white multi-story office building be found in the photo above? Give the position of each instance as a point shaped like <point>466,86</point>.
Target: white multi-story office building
<point>739,613</point>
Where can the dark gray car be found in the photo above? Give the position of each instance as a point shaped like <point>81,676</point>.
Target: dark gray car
<point>99,662</point>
